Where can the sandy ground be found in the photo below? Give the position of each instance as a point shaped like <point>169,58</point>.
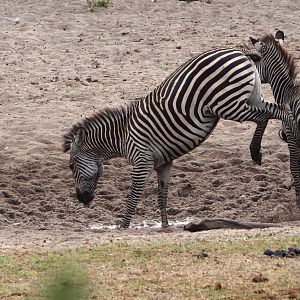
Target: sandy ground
<point>61,62</point>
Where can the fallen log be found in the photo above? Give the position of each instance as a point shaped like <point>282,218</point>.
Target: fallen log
<point>220,223</point>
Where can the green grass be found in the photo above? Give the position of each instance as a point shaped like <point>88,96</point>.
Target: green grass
<point>68,283</point>
<point>94,4</point>
<point>159,270</point>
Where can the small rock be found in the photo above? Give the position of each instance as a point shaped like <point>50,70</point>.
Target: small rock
<point>291,254</point>
<point>96,65</point>
<point>269,252</point>
<point>260,278</point>
<point>295,250</point>
<point>280,253</point>
<point>216,183</point>
<point>6,194</point>
<point>218,286</point>
<point>202,254</point>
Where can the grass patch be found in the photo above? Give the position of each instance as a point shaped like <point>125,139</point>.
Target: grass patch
<point>68,283</point>
<point>94,4</point>
<point>147,270</point>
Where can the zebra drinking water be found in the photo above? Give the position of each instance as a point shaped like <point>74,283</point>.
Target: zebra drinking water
<point>278,68</point>
<point>177,116</point>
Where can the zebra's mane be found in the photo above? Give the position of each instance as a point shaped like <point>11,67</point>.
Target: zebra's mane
<point>99,116</point>
<point>287,57</point>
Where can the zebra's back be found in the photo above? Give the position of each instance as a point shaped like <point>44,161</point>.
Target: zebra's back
<point>182,111</point>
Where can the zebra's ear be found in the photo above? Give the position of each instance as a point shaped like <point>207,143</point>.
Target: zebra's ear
<point>256,43</point>
<point>253,40</point>
<point>79,136</point>
<point>279,36</point>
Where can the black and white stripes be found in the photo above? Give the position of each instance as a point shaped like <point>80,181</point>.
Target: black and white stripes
<point>173,119</point>
<point>278,68</point>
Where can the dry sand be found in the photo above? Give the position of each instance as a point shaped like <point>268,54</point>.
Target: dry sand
<point>61,62</point>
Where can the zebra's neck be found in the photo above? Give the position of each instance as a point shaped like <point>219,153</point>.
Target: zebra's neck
<point>107,132</point>
<point>281,84</point>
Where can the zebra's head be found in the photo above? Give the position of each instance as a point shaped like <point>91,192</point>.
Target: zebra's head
<point>271,53</point>
<point>261,64</point>
<point>85,164</point>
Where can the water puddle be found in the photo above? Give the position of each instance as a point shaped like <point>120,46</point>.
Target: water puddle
<point>144,224</point>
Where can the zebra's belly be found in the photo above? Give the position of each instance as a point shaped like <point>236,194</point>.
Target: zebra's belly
<point>166,143</point>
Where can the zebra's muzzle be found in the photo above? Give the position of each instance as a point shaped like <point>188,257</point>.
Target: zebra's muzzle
<point>84,197</point>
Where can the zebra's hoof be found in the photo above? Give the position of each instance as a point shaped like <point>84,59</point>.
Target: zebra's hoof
<point>256,157</point>
<point>122,225</point>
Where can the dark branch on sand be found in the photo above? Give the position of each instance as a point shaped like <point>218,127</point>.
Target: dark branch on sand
<point>219,223</point>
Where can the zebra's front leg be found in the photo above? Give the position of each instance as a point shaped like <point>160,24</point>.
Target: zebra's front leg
<point>255,144</point>
<point>140,174</point>
<point>163,178</point>
<point>283,113</point>
<point>269,111</point>
<point>294,163</point>
<point>282,133</point>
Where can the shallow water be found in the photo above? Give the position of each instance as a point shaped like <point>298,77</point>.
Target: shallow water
<point>144,224</point>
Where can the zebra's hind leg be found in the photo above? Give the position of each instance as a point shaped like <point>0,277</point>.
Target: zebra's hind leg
<point>255,144</point>
<point>163,178</point>
<point>141,171</point>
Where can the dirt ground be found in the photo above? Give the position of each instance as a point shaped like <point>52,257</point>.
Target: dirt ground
<point>61,62</point>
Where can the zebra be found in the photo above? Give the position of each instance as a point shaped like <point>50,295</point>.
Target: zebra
<point>173,119</point>
<point>278,68</point>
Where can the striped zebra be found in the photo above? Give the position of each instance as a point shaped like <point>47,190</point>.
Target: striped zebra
<point>278,68</point>
<point>173,119</point>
